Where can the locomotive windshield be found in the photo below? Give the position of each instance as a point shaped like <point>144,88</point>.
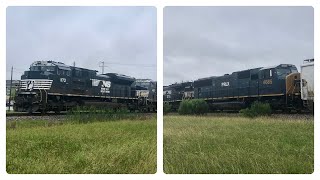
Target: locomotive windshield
<point>42,68</point>
<point>143,84</point>
<point>146,83</point>
<point>283,72</point>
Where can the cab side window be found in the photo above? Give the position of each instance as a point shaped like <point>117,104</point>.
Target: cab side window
<point>267,73</point>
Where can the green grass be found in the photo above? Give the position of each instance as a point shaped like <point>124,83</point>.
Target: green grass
<point>123,146</point>
<point>232,145</point>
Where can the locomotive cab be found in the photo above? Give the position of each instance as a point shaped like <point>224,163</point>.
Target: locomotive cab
<point>285,69</point>
<point>34,86</point>
<point>279,86</point>
<point>44,69</point>
<point>146,92</point>
<point>273,79</point>
<point>146,88</point>
<point>39,70</point>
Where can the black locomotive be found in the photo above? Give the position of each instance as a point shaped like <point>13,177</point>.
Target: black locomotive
<point>174,93</point>
<point>277,85</point>
<point>54,86</point>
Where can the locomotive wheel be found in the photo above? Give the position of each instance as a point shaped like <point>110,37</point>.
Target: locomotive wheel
<point>311,106</point>
<point>32,109</point>
<point>57,111</point>
<point>43,111</point>
<point>15,108</point>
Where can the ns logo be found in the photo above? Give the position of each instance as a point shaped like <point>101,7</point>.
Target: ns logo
<point>30,85</point>
<point>105,87</point>
<point>106,84</point>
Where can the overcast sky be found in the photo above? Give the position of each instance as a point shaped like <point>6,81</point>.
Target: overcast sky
<point>123,37</point>
<point>212,41</point>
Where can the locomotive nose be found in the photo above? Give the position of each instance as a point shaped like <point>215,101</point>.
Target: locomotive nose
<point>293,83</point>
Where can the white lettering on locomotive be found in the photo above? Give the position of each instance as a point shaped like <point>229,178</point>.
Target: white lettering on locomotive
<point>96,82</point>
<point>104,90</point>
<point>224,84</point>
<point>105,86</point>
<point>63,80</point>
<point>167,92</point>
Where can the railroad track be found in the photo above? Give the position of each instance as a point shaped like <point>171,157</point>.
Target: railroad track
<point>237,112</point>
<point>24,114</point>
<point>17,114</point>
<point>305,114</point>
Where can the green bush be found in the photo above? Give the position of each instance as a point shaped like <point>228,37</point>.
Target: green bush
<point>257,109</point>
<point>194,106</point>
<point>185,107</point>
<point>166,108</point>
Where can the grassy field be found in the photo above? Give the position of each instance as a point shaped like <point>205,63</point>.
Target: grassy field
<point>222,144</point>
<point>122,146</point>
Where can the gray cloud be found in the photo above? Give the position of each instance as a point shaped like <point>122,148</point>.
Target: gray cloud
<point>206,41</point>
<point>123,37</point>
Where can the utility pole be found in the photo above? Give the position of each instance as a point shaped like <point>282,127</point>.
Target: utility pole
<point>10,88</point>
<point>74,64</point>
<point>102,66</point>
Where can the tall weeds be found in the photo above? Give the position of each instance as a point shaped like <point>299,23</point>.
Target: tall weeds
<point>93,114</point>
